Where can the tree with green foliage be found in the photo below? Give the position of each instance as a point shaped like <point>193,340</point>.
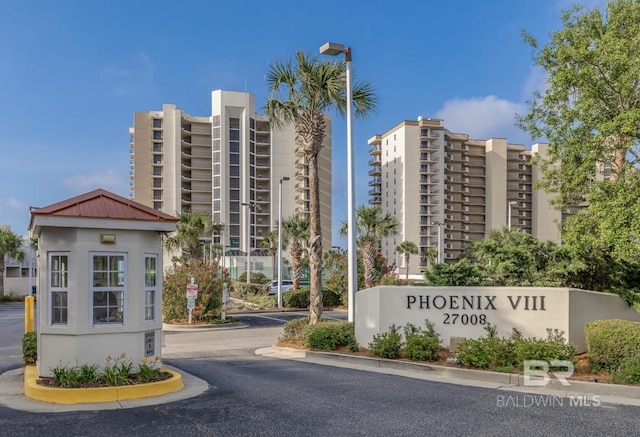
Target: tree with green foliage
<point>460,274</point>
<point>371,227</point>
<point>335,263</point>
<point>11,246</point>
<point>430,255</point>
<point>590,114</point>
<point>296,232</point>
<point>270,243</point>
<point>301,93</point>
<point>514,258</point>
<point>210,279</point>
<point>191,229</point>
<point>407,248</point>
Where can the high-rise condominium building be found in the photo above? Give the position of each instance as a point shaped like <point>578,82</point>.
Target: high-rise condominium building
<point>447,190</point>
<point>229,164</point>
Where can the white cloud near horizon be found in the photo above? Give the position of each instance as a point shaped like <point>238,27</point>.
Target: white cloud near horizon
<point>484,118</point>
<point>16,204</point>
<point>110,180</point>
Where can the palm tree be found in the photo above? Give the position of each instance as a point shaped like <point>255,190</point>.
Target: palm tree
<point>270,243</point>
<point>431,255</point>
<point>371,227</point>
<point>192,227</point>
<point>11,245</point>
<point>407,248</point>
<point>300,95</point>
<point>296,232</point>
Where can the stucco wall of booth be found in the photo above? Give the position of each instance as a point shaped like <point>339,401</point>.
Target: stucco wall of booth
<point>81,339</point>
<point>466,311</point>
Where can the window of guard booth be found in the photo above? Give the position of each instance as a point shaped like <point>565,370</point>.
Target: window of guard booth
<point>108,287</point>
<point>59,288</point>
<point>150,287</point>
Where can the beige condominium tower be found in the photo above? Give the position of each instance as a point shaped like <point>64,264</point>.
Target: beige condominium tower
<point>447,190</point>
<point>229,164</point>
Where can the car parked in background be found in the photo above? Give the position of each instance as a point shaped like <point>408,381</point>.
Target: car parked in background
<point>286,286</point>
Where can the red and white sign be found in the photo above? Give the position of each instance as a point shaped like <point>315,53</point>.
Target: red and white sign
<point>192,291</point>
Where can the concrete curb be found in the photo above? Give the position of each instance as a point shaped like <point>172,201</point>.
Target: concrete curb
<point>578,391</point>
<point>220,327</point>
<point>99,394</point>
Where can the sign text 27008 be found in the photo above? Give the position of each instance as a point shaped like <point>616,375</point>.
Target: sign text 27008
<point>464,319</point>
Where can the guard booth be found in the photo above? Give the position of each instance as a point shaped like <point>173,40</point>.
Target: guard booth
<point>99,280</point>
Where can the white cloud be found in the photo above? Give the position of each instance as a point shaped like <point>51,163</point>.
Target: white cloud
<point>16,204</point>
<point>110,180</point>
<point>484,117</point>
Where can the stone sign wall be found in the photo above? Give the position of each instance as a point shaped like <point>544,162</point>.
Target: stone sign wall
<point>465,311</point>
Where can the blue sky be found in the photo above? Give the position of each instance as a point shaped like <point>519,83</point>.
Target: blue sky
<point>74,72</point>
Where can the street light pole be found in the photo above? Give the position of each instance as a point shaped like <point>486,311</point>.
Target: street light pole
<point>250,206</point>
<point>284,178</point>
<point>513,203</point>
<point>334,49</point>
<point>439,242</point>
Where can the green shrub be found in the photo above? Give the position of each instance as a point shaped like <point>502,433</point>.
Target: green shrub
<point>149,369</point>
<point>481,352</point>
<point>294,329</point>
<point>504,353</point>
<point>243,291</point>
<point>629,372</point>
<point>66,376</point>
<point>553,348</point>
<point>296,298</point>
<point>30,347</point>
<point>88,372</point>
<point>117,371</point>
<point>386,344</point>
<point>611,341</point>
<point>331,298</point>
<point>301,298</point>
<point>210,282</point>
<point>330,335</point>
<point>421,345</point>
<point>256,278</point>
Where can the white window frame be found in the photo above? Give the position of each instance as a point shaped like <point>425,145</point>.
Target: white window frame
<point>151,289</point>
<point>117,285</point>
<point>62,287</point>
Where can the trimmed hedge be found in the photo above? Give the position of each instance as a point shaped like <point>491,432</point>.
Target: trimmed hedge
<point>240,290</point>
<point>492,352</point>
<point>30,347</point>
<point>609,342</point>
<point>330,335</point>
<point>301,298</point>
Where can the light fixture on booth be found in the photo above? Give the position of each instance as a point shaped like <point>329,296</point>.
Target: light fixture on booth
<point>107,238</point>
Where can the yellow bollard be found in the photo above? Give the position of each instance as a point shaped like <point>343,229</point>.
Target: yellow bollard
<point>28,313</point>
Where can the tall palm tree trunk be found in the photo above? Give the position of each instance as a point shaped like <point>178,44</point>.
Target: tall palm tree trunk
<point>406,261</point>
<point>315,242</point>
<point>369,263</point>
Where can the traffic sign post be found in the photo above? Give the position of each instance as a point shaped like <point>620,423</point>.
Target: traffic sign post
<point>192,295</point>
